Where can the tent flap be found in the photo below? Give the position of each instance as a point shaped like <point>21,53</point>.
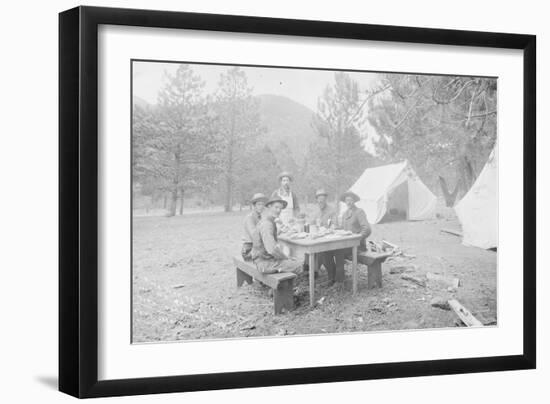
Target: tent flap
<point>375,186</point>
<point>478,209</point>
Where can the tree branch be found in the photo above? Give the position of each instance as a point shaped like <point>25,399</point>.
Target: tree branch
<point>443,102</point>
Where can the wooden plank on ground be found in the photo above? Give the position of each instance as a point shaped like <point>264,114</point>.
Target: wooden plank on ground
<point>464,314</point>
<point>453,232</point>
<point>415,279</point>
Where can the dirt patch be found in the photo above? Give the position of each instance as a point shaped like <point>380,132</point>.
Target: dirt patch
<point>184,284</point>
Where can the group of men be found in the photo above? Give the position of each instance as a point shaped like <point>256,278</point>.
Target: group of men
<point>261,229</point>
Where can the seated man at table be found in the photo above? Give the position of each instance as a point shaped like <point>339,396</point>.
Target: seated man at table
<point>325,216</point>
<point>250,222</point>
<point>355,220</point>
<point>266,251</point>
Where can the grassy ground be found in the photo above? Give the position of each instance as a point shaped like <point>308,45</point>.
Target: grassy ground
<point>185,287</point>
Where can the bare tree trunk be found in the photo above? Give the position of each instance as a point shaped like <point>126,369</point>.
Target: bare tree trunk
<point>230,163</point>
<point>165,201</point>
<point>229,177</point>
<point>466,173</point>
<point>182,198</point>
<point>450,197</point>
<point>338,187</point>
<point>469,170</point>
<point>173,201</point>
<point>175,186</point>
<point>228,191</point>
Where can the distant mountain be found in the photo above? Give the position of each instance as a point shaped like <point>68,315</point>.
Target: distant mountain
<point>287,122</point>
<point>140,101</point>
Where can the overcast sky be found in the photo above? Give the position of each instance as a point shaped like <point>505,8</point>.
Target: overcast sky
<point>300,85</point>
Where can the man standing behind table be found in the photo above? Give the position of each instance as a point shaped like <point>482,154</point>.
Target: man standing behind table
<point>326,217</point>
<point>250,222</point>
<point>355,220</point>
<point>292,208</point>
<point>267,254</point>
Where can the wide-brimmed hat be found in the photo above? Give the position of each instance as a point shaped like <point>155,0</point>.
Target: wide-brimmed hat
<point>349,193</point>
<point>320,192</point>
<point>275,199</point>
<point>285,174</point>
<point>259,197</point>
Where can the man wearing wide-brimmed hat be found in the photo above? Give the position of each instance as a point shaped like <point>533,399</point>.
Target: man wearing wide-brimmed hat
<point>326,216</point>
<point>285,193</point>
<point>266,251</point>
<point>251,221</point>
<point>355,220</point>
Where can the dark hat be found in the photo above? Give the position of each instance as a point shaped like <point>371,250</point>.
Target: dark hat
<point>259,197</point>
<point>285,174</point>
<point>320,192</point>
<point>275,199</point>
<point>349,193</point>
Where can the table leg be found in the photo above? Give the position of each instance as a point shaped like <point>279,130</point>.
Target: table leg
<point>312,279</point>
<point>354,269</point>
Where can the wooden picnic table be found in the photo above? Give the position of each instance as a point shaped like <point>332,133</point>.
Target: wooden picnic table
<point>319,245</point>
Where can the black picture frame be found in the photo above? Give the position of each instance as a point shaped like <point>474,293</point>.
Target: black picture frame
<point>78,200</point>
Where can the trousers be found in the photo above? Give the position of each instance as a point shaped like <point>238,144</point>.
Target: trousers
<point>271,266</point>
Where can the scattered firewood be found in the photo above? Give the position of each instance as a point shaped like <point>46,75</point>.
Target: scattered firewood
<point>181,285</point>
<point>464,314</point>
<point>386,244</point>
<point>374,246</point>
<point>440,303</point>
<point>453,232</point>
<point>415,279</point>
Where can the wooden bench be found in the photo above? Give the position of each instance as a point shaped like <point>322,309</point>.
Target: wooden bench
<point>373,261</point>
<point>281,283</point>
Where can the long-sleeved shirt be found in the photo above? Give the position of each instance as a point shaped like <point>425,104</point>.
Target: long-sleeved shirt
<point>327,216</point>
<point>355,220</point>
<point>250,222</point>
<point>264,240</point>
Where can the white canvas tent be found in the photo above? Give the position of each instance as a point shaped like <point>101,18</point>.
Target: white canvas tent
<point>393,186</point>
<point>478,209</point>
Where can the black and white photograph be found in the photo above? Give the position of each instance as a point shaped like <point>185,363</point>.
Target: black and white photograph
<point>279,201</point>
<point>269,202</point>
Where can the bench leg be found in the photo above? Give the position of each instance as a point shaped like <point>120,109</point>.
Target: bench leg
<point>243,277</point>
<point>283,296</point>
<point>374,275</point>
<point>354,269</point>
<point>339,271</point>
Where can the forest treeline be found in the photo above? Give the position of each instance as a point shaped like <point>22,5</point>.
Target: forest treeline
<point>213,145</point>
